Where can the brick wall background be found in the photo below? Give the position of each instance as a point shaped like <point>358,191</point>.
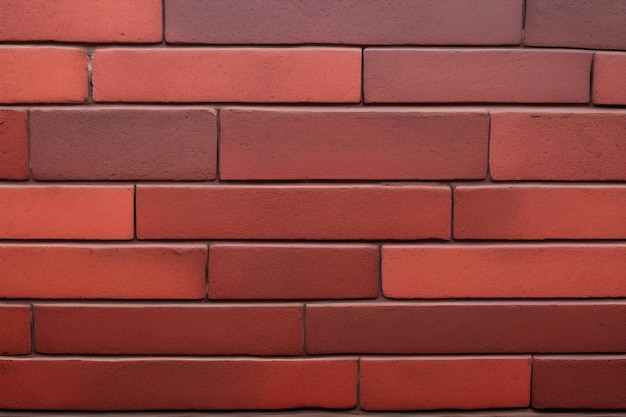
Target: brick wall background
<point>333,204</point>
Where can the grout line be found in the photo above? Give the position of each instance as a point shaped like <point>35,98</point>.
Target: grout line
<point>362,76</point>
<point>452,188</point>
<point>31,177</point>
<point>530,387</point>
<point>304,352</point>
<point>206,273</point>
<point>381,293</point>
<point>593,63</point>
<point>135,238</point>
<point>488,173</point>
<point>218,137</point>
<point>33,347</point>
<point>523,23</point>
<point>163,42</point>
<point>358,384</point>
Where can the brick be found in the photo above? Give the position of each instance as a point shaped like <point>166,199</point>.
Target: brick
<point>593,24</point>
<point>609,86</point>
<point>581,382</point>
<point>430,22</point>
<point>103,271</point>
<point>293,212</point>
<point>473,76</point>
<point>466,327</point>
<point>503,271</point>
<point>42,75</point>
<point>428,383</point>
<point>330,144</point>
<point>66,212</point>
<point>169,329</point>
<point>123,144</point>
<point>273,75</point>
<point>177,384</point>
<point>13,145</point>
<point>15,329</point>
<point>81,20</point>
<point>540,212</point>
<point>571,146</point>
<point>294,271</point>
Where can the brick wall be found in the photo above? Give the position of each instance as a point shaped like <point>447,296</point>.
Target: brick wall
<point>280,204</point>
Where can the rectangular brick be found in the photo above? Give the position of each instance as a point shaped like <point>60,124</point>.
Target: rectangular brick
<point>293,212</point>
<point>428,383</point>
<point>13,145</point>
<point>81,20</point>
<point>66,212</point>
<point>15,329</point>
<point>475,76</point>
<point>558,145</point>
<point>176,384</point>
<point>169,329</point>
<point>103,271</point>
<point>609,86</point>
<point>504,271</point>
<point>329,144</point>
<point>123,144</point>
<point>427,22</point>
<point>466,327</point>
<point>593,24</point>
<point>273,75</point>
<point>293,271</point>
<point>42,75</point>
<point>540,212</point>
<point>579,382</point>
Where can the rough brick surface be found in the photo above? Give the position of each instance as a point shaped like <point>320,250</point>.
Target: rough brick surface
<point>429,22</point>
<point>66,212</point>
<point>594,24</point>
<point>609,86</point>
<point>103,271</point>
<point>176,384</point>
<point>540,212</point>
<point>169,329</point>
<point>123,144</point>
<point>273,75</point>
<point>293,271</point>
<point>575,382</point>
<point>327,144</point>
<point>475,76</point>
<point>15,329</point>
<point>42,75</point>
<point>573,146</point>
<point>465,327</point>
<point>503,271</point>
<point>445,383</point>
<point>81,20</point>
<point>293,212</point>
<point>13,145</point>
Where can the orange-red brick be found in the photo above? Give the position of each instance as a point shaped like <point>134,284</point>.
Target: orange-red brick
<point>609,85</point>
<point>273,75</point>
<point>15,329</point>
<point>13,145</point>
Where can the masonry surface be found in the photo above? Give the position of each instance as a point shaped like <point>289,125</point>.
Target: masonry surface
<point>333,205</point>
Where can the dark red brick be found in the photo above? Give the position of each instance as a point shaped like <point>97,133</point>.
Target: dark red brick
<point>13,145</point>
<point>15,329</point>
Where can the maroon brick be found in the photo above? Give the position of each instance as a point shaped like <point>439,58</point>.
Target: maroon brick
<point>466,76</point>
<point>579,382</point>
<point>331,144</point>
<point>15,329</point>
<point>123,144</point>
<point>427,22</point>
<point>609,86</point>
<point>13,145</point>
<point>465,327</point>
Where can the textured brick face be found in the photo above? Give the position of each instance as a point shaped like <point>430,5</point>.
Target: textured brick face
<point>13,145</point>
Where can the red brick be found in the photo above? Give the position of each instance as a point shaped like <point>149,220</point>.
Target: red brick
<point>464,327</point>
<point>428,383</point>
<point>293,212</point>
<point>572,146</point>
<point>466,76</point>
<point>331,144</point>
<point>42,75</point>
<point>103,271</point>
<point>123,144</point>
<point>169,329</point>
<point>294,271</point>
<point>66,212</point>
<point>176,384</point>
<point>504,271</point>
<point>593,24</point>
<point>13,145</point>
<point>81,20</point>
<point>609,86</point>
<point>592,382</point>
<point>14,329</point>
<point>540,212</point>
<point>228,75</point>
<point>430,22</point>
